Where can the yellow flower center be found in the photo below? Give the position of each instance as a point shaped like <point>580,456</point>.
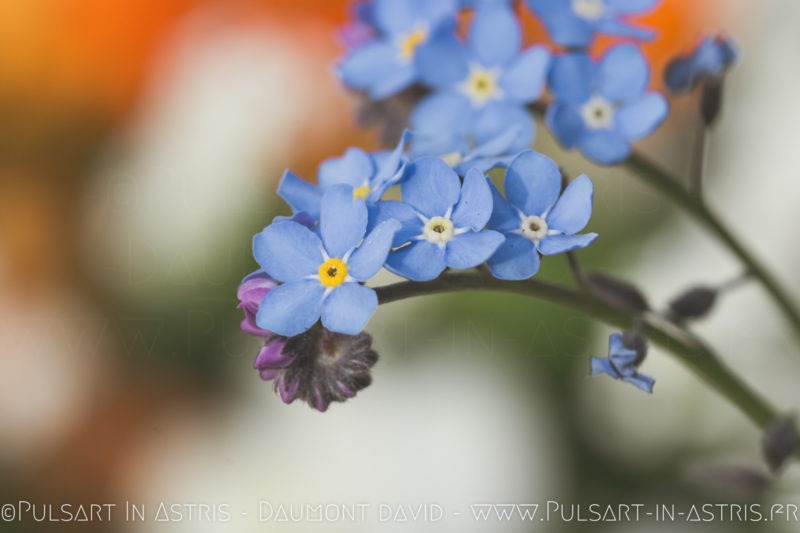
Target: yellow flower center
<point>481,85</point>
<point>410,42</point>
<point>361,192</point>
<point>452,159</point>
<point>332,272</point>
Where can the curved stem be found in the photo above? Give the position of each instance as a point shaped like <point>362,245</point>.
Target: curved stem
<point>687,348</point>
<point>666,184</point>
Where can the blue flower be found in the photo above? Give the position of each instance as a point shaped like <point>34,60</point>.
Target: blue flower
<point>442,219</point>
<point>481,87</point>
<point>622,364</point>
<point>386,65</point>
<point>320,277</point>
<point>534,219</point>
<point>602,107</point>
<point>368,174</point>
<point>573,23</point>
<point>711,59</point>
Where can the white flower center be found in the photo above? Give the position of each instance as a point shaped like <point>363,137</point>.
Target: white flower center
<point>438,230</point>
<point>589,9</point>
<point>533,228</point>
<point>598,113</point>
<point>482,85</point>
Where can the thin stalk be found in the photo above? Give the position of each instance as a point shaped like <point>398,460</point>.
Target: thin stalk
<point>687,348</point>
<point>661,180</point>
<point>698,163</point>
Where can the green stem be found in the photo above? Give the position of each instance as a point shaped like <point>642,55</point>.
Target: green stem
<point>687,348</point>
<point>661,180</point>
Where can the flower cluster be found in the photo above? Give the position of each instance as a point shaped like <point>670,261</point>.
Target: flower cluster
<point>482,85</point>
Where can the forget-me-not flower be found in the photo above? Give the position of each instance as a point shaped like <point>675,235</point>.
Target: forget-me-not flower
<point>574,23</point>
<point>601,107</point>
<point>368,174</point>
<point>536,218</point>
<point>481,87</point>
<point>321,277</point>
<point>386,64</point>
<point>711,59</point>
<point>622,363</point>
<point>443,221</point>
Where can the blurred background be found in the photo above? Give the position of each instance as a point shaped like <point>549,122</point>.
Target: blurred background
<point>140,145</point>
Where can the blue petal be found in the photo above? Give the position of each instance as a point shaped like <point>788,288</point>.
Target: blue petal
<point>606,147</point>
<point>495,36</point>
<point>532,183</point>
<point>622,73</point>
<point>569,30</point>
<point>615,345</point>
<point>368,258</point>
<point>403,213</point>
<point>299,194</point>
<point>604,366</point>
<point>441,115</point>
<point>348,308</point>
<point>571,77</point>
<point>474,207</point>
<point>389,168</point>
<point>558,244</point>
<point>496,117</point>
<point>432,187</point>
<point>641,381</point>
<point>616,27</point>
<point>504,217</point>
<point>631,6</point>
<point>441,62</point>
<point>496,146</point>
<point>574,209</point>
<point>291,308</point>
<point>524,79</point>
<point>288,251</point>
<point>419,261</point>
<point>640,118</point>
<point>470,249</point>
<point>370,66</point>
<point>343,220</point>
<point>394,17</point>
<point>515,259</point>
<point>354,169</point>
<point>565,122</point>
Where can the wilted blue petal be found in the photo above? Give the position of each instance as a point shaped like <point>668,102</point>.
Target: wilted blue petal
<point>432,187</point>
<point>558,244</point>
<point>343,220</point>
<point>419,261</point>
<point>368,258</point>
<point>470,249</point>
<point>524,79</point>
<point>574,209</point>
<point>474,206</point>
<point>495,36</point>
<point>640,381</point>
<point>571,76</point>
<point>565,123</point>
<point>348,308</point>
<point>288,251</point>
<point>604,366</point>
<point>641,117</point>
<point>515,259</point>
<point>299,194</point>
<point>607,147</point>
<point>354,168</point>
<point>622,73</point>
<point>532,183</point>
<point>291,308</point>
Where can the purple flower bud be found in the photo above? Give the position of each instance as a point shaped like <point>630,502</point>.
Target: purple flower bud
<point>318,366</point>
<point>251,292</point>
